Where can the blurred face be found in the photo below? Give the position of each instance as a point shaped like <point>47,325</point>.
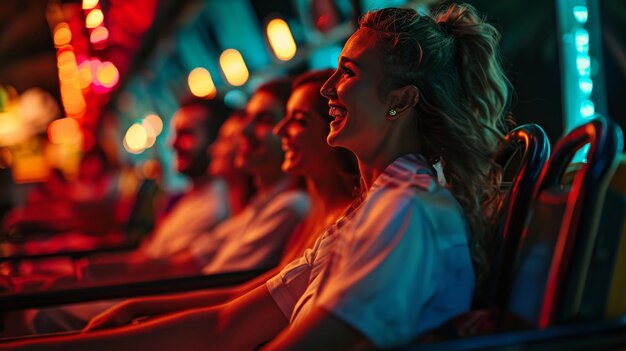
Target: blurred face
<point>303,133</point>
<point>259,151</point>
<point>224,148</point>
<point>190,141</point>
<point>353,96</point>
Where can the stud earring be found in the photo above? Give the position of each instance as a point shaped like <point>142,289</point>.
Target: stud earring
<point>391,114</point>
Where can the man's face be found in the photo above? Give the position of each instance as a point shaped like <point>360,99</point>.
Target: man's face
<point>259,151</point>
<point>190,141</point>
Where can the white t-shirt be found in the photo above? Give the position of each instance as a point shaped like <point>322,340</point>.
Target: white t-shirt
<point>256,237</point>
<point>396,266</point>
<point>194,214</point>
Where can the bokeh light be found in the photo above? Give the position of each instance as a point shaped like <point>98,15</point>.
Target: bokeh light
<point>587,109</point>
<point>89,4</point>
<point>94,18</point>
<point>234,67</point>
<point>107,74</point>
<point>64,131</point>
<point>62,34</point>
<point>153,126</point>
<point>201,84</point>
<point>586,86</point>
<point>99,35</point>
<point>581,14</point>
<point>281,40</point>
<point>136,138</point>
<point>154,122</point>
<point>85,75</point>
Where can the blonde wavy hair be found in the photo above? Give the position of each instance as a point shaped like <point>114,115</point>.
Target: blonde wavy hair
<point>452,57</point>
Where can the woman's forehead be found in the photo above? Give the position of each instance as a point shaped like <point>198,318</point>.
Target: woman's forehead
<point>363,38</point>
<point>262,101</point>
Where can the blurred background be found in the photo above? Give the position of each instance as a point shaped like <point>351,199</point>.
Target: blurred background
<point>107,75</point>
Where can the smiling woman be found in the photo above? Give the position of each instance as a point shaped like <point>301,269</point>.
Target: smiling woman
<point>307,118</point>
<point>400,260</point>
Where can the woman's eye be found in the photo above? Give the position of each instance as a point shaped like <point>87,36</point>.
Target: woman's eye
<point>347,71</point>
<point>298,120</point>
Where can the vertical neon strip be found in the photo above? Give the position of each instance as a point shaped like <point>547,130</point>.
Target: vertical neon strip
<point>582,73</point>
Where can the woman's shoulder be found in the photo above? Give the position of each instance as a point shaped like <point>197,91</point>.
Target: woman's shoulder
<point>295,199</point>
<point>437,204</point>
<point>416,193</point>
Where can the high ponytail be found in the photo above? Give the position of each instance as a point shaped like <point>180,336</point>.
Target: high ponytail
<point>476,53</point>
<point>452,58</point>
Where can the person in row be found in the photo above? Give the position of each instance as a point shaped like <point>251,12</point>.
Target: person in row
<point>408,253</point>
<point>255,237</point>
<point>306,155</point>
<point>331,175</point>
<point>211,199</point>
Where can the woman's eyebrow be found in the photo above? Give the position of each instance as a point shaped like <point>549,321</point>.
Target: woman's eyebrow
<point>344,59</point>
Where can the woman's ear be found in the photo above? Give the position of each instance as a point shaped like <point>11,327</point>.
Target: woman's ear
<point>404,99</point>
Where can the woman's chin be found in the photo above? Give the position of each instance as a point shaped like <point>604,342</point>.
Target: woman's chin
<point>334,139</point>
<point>290,167</point>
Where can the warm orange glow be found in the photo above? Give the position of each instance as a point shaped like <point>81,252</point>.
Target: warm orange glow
<point>63,131</point>
<point>66,60</point>
<point>98,35</point>
<point>94,18</point>
<point>84,74</point>
<point>151,169</point>
<point>234,67</point>
<point>201,84</point>
<point>6,157</point>
<point>281,40</point>
<point>89,4</point>
<point>73,100</point>
<point>62,34</point>
<point>10,123</point>
<point>70,82</point>
<point>107,74</point>
<point>30,168</point>
<point>76,107</point>
<point>136,138</point>
<point>153,124</point>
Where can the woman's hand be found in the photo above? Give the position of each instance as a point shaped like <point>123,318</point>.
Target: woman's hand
<point>118,315</point>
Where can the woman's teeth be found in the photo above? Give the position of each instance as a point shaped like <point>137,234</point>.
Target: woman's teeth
<point>336,112</point>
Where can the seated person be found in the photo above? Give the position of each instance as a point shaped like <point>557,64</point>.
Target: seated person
<point>196,127</point>
<point>253,239</point>
<point>408,253</point>
<point>331,175</point>
<point>256,237</point>
<point>223,152</point>
<point>205,205</point>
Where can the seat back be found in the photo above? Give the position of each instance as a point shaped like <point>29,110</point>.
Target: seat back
<point>524,152</point>
<point>563,219</point>
<point>604,291</point>
<point>616,304</point>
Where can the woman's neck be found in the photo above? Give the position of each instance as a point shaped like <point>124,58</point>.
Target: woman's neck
<point>329,196</point>
<point>371,169</point>
<point>397,142</point>
<point>264,182</point>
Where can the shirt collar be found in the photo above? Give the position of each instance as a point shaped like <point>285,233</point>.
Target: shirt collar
<point>412,169</point>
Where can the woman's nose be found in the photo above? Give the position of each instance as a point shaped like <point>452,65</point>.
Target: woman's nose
<point>279,129</point>
<point>328,89</point>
